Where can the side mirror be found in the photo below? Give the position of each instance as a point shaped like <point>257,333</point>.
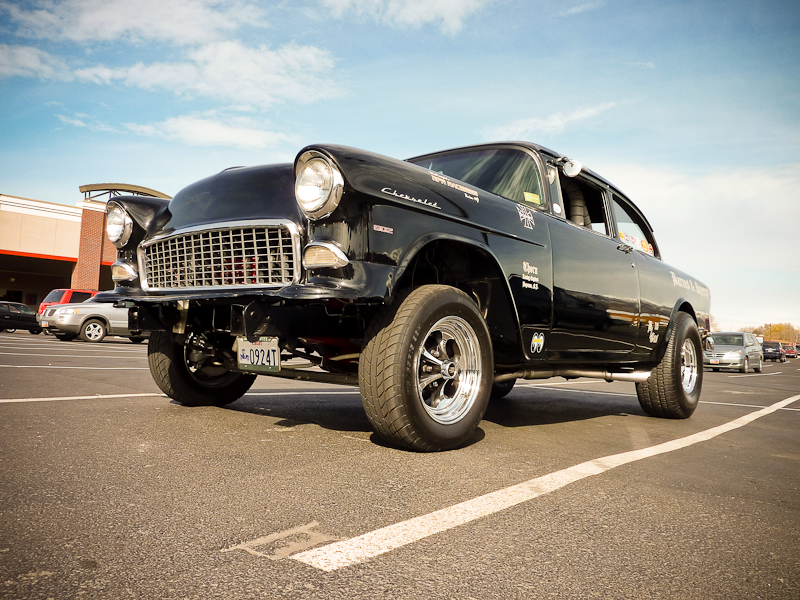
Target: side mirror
<point>571,168</point>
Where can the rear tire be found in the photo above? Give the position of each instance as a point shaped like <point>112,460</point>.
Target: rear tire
<point>759,367</point>
<point>502,389</point>
<point>673,389</point>
<point>186,382</point>
<point>425,373</point>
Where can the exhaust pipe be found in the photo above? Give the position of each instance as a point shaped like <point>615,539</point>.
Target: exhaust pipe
<point>634,376</point>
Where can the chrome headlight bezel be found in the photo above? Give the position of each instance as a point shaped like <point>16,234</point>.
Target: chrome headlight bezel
<point>119,224</point>
<point>318,184</point>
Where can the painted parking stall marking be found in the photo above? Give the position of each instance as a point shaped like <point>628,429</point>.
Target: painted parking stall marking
<point>66,367</point>
<point>358,549</point>
<point>96,397</point>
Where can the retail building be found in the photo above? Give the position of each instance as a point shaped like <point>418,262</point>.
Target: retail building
<point>46,246</point>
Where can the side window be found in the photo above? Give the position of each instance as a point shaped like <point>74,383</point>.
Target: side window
<point>507,172</point>
<point>79,297</point>
<point>4,308</point>
<point>584,204</point>
<point>630,230</point>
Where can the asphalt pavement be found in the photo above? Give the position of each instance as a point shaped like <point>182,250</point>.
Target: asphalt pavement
<point>110,490</point>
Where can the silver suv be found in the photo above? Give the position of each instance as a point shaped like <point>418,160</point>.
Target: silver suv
<point>734,350</point>
<point>90,320</point>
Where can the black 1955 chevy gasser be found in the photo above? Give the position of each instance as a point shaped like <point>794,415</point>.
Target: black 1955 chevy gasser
<point>433,283</point>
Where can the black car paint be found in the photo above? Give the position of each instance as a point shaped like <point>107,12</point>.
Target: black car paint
<point>14,315</point>
<point>595,302</point>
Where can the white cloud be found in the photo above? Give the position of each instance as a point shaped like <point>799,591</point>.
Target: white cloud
<point>734,230</point>
<point>26,61</point>
<point>451,14</point>
<point>204,131</point>
<point>232,72</point>
<point>581,8</point>
<point>555,123</point>
<point>80,120</point>
<point>173,21</point>
<point>645,65</point>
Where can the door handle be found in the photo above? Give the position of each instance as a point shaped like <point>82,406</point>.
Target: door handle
<point>625,248</point>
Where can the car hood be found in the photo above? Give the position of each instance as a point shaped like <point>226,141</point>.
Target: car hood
<point>238,194</point>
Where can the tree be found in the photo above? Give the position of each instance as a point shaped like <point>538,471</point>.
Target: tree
<point>776,331</point>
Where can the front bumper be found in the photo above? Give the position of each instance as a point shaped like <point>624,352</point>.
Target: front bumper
<point>62,323</point>
<point>723,363</point>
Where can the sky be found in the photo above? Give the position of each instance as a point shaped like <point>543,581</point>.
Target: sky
<point>691,108</point>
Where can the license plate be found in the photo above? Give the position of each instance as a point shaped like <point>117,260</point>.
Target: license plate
<point>45,324</point>
<point>714,361</point>
<point>262,356</point>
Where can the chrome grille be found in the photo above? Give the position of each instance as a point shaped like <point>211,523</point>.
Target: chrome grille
<point>259,255</point>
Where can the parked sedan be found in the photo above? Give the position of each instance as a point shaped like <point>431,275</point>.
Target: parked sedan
<point>774,351</point>
<point>15,315</point>
<point>90,320</point>
<point>791,350</point>
<point>734,350</point>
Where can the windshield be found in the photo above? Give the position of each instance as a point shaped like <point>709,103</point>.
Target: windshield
<point>728,340</point>
<point>54,296</point>
<point>509,173</point>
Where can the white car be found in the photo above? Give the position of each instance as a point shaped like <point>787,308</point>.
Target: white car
<point>90,320</point>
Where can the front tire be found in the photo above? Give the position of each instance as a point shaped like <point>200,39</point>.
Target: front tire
<point>673,389</point>
<point>189,383</point>
<point>93,331</point>
<point>425,373</point>
<point>746,366</point>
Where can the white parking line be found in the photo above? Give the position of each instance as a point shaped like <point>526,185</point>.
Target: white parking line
<point>587,391</point>
<point>60,367</point>
<point>309,393</point>
<point>358,549</point>
<point>97,397</point>
<point>70,355</point>
<point>104,348</point>
<point>758,374</point>
<point>743,405</point>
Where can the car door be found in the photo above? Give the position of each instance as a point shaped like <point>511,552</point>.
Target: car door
<point>595,284</point>
<point>5,317</point>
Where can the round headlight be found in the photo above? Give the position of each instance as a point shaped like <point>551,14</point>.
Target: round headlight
<point>119,225</point>
<point>318,185</point>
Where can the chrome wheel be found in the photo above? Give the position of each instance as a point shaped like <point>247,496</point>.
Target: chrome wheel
<point>94,331</point>
<point>688,366</point>
<point>448,368</point>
